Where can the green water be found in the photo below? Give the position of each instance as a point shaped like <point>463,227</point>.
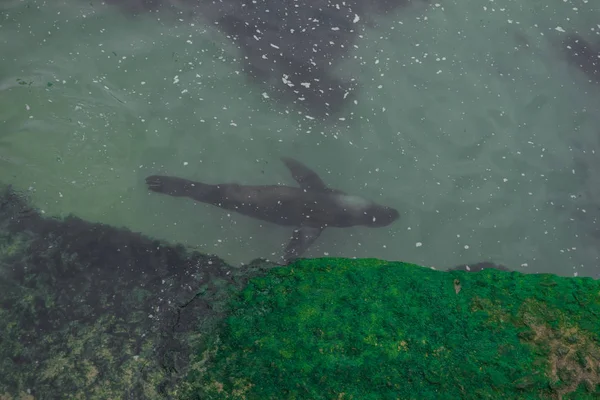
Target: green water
<point>469,121</point>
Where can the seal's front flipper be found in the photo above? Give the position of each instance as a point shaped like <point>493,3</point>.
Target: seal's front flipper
<point>306,177</point>
<point>301,240</point>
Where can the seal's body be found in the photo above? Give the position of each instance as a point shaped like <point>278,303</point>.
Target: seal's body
<point>311,207</point>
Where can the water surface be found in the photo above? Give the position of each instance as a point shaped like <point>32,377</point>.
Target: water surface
<point>467,118</point>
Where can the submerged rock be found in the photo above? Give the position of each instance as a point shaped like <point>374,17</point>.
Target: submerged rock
<point>584,55</point>
<point>91,311</point>
<point>478,267</point>
<point>290,47</point>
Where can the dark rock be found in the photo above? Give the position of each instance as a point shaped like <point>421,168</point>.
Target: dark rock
<point>291,47</point>
<point>584,55</point>
<point>478,267</point>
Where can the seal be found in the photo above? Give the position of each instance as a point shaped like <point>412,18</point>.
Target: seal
<point>310,208</point>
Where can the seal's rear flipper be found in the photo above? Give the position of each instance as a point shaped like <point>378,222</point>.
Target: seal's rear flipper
<point>301,240</point>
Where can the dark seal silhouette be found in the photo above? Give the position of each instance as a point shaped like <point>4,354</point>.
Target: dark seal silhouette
<point>310,208</point>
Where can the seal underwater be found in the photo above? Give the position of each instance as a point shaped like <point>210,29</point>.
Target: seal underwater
<point>310,208</point>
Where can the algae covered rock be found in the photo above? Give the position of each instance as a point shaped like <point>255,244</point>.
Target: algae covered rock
<point>368,329</point>
<point>89,311</point>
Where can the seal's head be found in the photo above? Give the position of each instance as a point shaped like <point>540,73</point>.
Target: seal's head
<point>377,216</point>
<point>366,212</point>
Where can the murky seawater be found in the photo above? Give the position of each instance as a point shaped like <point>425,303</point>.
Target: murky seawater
<point>468,119</point>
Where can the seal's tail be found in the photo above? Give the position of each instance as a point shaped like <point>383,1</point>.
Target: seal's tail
<point>180,187</point>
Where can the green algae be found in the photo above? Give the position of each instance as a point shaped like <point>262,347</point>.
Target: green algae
<point>368,329</point>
